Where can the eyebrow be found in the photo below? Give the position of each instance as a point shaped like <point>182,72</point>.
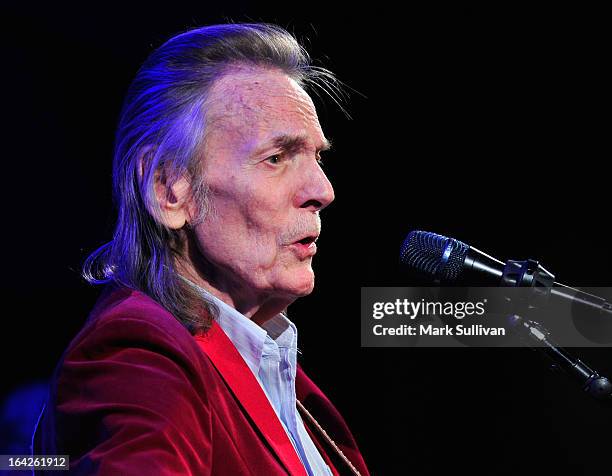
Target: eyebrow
<point>294,144</point>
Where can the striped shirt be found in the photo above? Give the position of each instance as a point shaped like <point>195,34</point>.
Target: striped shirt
<point>270,351</point>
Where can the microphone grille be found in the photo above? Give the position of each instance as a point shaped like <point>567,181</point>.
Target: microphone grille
<point>433,254</point>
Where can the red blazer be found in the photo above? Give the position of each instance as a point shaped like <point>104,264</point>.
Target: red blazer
<point>135,393</point>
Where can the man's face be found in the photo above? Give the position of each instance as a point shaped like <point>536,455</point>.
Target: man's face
<point>266,186</point>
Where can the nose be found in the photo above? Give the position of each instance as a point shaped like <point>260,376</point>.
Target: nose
<point>316,191</point>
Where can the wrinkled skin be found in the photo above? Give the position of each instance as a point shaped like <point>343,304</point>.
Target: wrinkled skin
<point>266,187</point>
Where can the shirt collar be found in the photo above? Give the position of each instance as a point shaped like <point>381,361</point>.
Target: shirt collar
<point>249,338</point>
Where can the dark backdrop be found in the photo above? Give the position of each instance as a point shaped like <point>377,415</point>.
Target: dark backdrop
<point>487,124</point>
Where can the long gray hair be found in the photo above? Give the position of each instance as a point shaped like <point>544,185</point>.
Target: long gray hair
<point>161,129</point>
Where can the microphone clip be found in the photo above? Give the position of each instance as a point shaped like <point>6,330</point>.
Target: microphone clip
<point>531,274</point>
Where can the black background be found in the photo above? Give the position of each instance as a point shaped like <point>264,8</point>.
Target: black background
<point>487,124</point>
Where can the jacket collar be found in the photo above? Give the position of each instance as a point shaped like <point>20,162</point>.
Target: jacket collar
<point>239,377</point>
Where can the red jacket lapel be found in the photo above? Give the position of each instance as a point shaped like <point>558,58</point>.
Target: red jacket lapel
<point>239,377</point>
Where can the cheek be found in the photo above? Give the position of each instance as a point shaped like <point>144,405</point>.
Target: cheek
<point>241,231</point>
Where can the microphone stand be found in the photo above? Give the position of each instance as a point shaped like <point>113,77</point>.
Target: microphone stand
<point>530,273</point>
<point>535,336</point>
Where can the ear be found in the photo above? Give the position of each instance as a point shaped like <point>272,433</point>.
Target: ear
<point>174,200</point>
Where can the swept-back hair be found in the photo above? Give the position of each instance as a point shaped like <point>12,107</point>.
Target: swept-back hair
<point>161,129</point>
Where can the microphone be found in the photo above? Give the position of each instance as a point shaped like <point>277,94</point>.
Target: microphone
<point>449,260</point>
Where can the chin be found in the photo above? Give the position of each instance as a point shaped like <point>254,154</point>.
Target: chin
<point>306,290</point>
<point>301,284</point>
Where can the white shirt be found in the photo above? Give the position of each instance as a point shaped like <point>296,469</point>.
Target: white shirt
<point>270,351</point>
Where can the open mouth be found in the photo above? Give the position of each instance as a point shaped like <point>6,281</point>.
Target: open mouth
<point>307,240</point>
<point>306,247</point>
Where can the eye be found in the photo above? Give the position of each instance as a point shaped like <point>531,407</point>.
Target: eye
<point>273,159</point>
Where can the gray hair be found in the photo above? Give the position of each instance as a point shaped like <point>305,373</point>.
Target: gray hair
<point>161,129</point>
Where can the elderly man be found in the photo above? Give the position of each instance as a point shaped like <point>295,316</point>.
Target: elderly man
<point>187,364</point>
